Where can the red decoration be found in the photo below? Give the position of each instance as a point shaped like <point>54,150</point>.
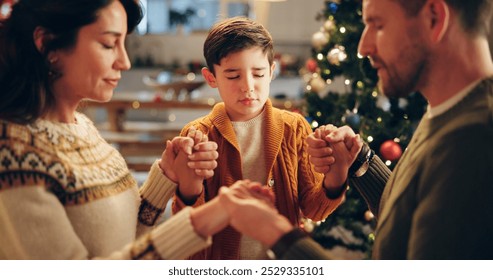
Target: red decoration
<point>390,150</point>
<point>297,111</point>
<point>311,65</point>
<point>157,98</point>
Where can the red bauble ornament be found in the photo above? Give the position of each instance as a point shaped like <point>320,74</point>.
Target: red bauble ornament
<point>390,150</point>
<point>311,65</point>
<point>157,98</point>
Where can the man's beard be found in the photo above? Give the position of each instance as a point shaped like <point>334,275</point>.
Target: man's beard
<point>405,76</point>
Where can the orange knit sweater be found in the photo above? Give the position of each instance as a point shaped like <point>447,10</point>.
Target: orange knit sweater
<point>296,185</point>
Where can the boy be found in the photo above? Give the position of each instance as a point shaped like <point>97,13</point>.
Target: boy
<point>255,140</point>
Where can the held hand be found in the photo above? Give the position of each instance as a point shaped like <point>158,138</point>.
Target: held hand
<point>204,156</point>
<point>210,218</point>
<point>320,153</point>
<point>197,166</point>
<point>168,158</point>
<point>247,189</point>
<point>202,160</point>
<point>342,146</point>
<point>252,212</point>
<point>351,140</point>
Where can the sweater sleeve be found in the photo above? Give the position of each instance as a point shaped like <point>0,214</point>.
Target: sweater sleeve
<point>39,228</point>
<point>173,239</point>
<point>305,249</point>
<point>155,194</point>
<point>314,202</point>
<point>372,184</point>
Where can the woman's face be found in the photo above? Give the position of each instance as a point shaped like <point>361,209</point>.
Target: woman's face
<point>92,68</point>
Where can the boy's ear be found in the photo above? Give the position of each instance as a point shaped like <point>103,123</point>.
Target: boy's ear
<point>209,77</point>
<point>272,69</point>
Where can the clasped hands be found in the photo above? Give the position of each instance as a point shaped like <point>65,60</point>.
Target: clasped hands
<point>248,206</point>
<point>332,151</point>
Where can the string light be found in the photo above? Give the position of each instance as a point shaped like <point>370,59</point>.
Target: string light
<point>288,104</point>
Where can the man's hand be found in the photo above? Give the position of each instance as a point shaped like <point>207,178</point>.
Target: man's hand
<point>332,150</point>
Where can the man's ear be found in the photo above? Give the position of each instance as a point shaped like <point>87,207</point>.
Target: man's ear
<point>209,77</point>
<point>440,16</point>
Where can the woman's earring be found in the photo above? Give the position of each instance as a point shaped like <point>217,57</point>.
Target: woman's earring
<point>51,62</point>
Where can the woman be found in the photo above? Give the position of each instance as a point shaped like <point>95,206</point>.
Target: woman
<point>64,192</point>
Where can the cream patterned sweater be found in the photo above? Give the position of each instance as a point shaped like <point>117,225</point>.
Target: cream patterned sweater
<point>65,193</point>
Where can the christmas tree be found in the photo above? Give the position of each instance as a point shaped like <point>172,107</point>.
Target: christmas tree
<point>341,89</point>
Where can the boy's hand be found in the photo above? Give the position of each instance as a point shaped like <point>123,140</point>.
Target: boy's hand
<point>193,168</point>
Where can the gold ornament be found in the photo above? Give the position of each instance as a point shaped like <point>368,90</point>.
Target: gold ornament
<point>320,39</point>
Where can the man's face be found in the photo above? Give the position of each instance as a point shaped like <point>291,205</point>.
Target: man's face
<point>395,47</point>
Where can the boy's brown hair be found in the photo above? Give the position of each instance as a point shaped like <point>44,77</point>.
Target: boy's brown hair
<point>235,34</point>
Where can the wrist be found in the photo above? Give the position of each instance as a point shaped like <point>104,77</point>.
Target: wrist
<point>362,162</point>
<point>188,197</point>
<point>334,192</point>
<point>163,171</point>
<point>279,228</point>
<point>209,218</point>
<point>287,240</point>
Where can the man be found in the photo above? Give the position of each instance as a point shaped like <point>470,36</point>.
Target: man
<point>436,203</point>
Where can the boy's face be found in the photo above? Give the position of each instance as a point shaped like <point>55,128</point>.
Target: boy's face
<point>243,80</point>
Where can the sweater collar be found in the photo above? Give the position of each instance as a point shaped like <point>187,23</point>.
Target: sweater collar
<point>274,128</point>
